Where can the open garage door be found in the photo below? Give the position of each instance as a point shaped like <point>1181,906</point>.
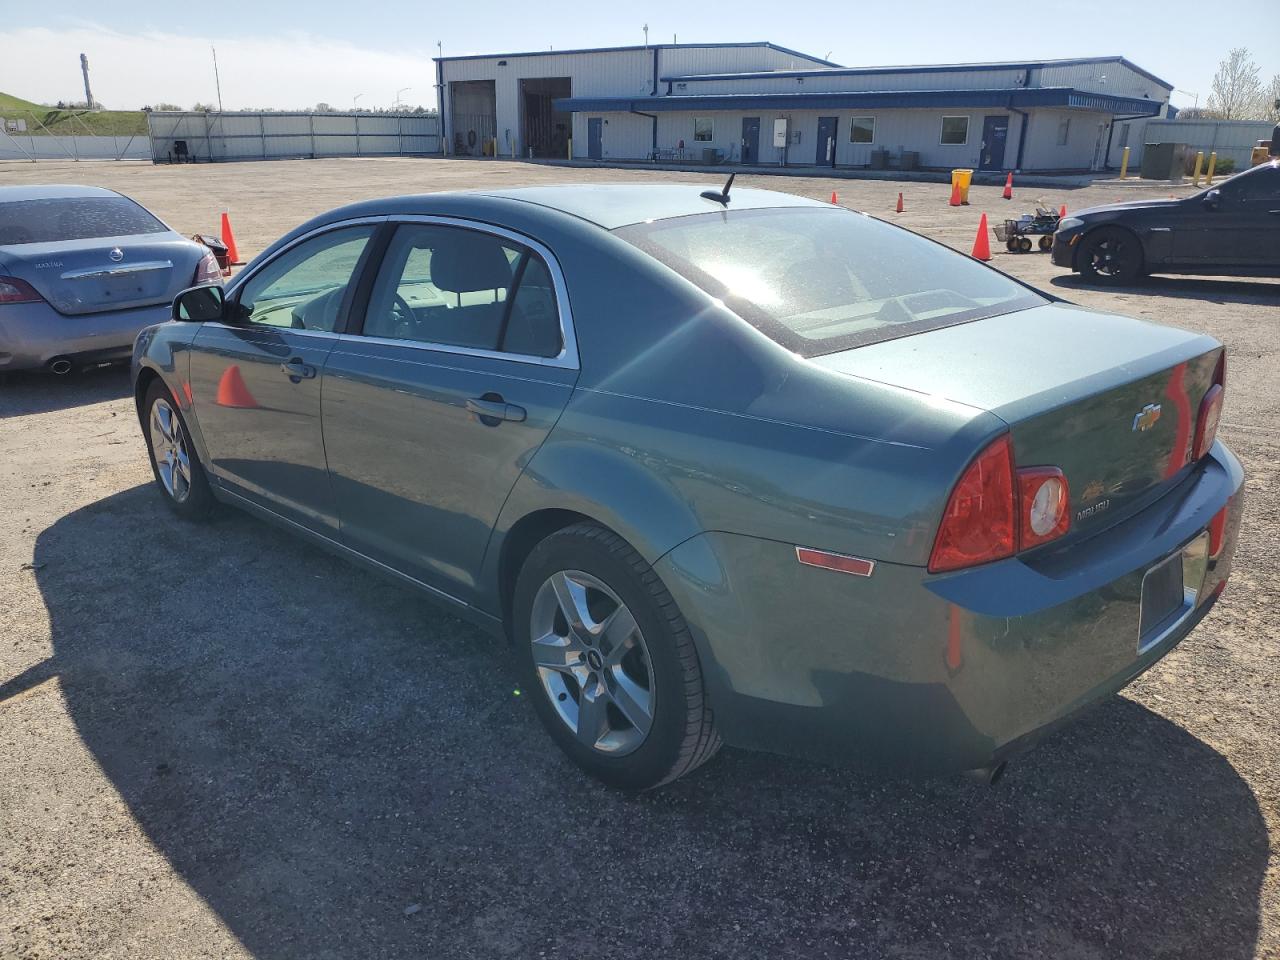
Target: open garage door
<point>545,131</point>
<point>473,118</point>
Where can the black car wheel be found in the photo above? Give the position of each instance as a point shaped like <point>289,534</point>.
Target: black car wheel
<point>1110,255</point>
<point>609,660</point>
<point>174,463</point>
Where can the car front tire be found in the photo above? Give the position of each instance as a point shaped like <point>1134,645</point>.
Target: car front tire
<point>1110,256</point>
<point>174,463</point>
<point>609,660</point>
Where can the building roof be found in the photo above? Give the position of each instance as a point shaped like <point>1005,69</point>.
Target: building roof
<point>629,49</point>
<point>869,99</point>
<point>921,68</point>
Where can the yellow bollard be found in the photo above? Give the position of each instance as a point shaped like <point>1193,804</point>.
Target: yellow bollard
<point>571,148</point>
<point>1195,178</point>
<point>1124,164</point>
<point>1213,161</point>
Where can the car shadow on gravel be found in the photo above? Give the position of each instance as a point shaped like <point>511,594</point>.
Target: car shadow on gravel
<point>31,392</point>
<point>1210,290</point>
<point>340,769</point>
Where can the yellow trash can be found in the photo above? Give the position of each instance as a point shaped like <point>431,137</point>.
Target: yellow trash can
<point>962,178</point>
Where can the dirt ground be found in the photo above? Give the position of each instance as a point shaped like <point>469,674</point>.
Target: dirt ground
<point>217,742</point>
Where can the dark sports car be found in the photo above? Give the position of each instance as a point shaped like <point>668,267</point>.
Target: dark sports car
<point>737,467</point>
<point>1231,229</point>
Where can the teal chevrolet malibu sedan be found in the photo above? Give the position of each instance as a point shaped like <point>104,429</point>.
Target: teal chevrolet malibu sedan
<point>724,466</point>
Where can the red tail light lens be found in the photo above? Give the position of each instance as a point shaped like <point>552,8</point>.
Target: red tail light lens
<point>207,271</point>
<point>1217,530</point>
<point>13,290</point>
<point>1207,421</point>
<point>978,525</point>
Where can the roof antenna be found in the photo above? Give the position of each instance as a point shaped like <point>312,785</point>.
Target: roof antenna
<point>721,196</point>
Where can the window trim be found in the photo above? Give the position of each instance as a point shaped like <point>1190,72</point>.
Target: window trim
<point>353,332</point>
<point>853,120</point>
<point>942,125</point>
<point>566,359</point>
<point>710,139</point>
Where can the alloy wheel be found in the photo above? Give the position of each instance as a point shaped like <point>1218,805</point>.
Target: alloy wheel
<point>591,658</point>
<point>169,448</point>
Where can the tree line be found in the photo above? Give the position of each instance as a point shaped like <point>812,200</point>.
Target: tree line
<point>1239,93</point>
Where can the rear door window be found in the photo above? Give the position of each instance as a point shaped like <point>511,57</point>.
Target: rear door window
<point>823,280</point>
<point>73,218</point>
<point>464,288</point>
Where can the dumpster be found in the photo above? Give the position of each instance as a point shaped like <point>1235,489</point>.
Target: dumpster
<point>962,178</point>
<point>879,159</point>
<point>909,160</point>
<point>1164,161</point>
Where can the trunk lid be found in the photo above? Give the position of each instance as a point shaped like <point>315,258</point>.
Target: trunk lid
<point>105,273</point>
<point>1110,400</point>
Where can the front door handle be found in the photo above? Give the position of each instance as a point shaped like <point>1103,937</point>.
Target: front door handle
<point>492,410</point>
<point>297,371</point>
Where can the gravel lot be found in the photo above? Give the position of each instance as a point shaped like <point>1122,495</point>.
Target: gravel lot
<point>215,742</point>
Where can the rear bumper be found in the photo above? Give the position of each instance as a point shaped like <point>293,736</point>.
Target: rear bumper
<point>935,674</point>
<point>32,334</point>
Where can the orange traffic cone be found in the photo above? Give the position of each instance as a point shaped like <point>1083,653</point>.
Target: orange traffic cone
<point>1008,187</point>
<point>899,208</point>
<point>229,238</point>
<point>981,244</point>
<point>834,198</point>
<point>955,195</point>
<point>232,391</point>
<point>1062,213</point>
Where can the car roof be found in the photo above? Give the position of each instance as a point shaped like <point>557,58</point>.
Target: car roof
<point>52,191</point>
<point>613,205</point>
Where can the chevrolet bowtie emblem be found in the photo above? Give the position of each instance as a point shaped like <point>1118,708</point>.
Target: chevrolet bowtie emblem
<point>1145,420</point>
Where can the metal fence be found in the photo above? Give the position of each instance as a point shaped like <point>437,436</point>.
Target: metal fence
<point>1227,138</point>
<point>21,146</point>
<point>206,137</point>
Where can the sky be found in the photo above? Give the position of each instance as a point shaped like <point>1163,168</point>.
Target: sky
<point>294,55</point>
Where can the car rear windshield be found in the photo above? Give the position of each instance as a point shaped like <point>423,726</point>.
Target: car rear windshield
<point>822,280</point>
<point>73,218</point>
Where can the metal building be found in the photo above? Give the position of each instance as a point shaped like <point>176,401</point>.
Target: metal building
<point>758,103</point>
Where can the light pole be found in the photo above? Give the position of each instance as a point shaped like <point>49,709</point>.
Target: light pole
<point>396,105</point>
<point>1196,104</point>
<point>353,101</point>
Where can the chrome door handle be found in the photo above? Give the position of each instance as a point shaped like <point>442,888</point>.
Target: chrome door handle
<point>297,371</point>
<point>493,411</point>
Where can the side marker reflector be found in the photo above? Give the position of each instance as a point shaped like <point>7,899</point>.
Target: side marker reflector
<point>835,561</point>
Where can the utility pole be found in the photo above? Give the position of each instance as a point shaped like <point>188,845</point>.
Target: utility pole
<point>84,68</point>
<point>216,79</point>
<point>646,36</point>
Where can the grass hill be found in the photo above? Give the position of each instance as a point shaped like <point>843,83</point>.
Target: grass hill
<point>107,123</point>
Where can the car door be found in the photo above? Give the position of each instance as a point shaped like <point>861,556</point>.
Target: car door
<point>255,378</point>
<point>432,408</point>
<point>1232,226</point>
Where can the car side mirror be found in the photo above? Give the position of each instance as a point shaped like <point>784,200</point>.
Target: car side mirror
<point>199,304</point>
<point>1212,199</point>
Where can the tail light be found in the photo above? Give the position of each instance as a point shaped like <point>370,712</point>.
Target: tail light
<point>1217,530</point>
<point>978,524</point>
<point>1044,505</point>
<point>207,270</point>
<point>13,290</point>
<point>995,511</point>
<point>1210,411</point>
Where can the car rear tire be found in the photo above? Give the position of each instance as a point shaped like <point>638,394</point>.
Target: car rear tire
<point>1110,255</point>
<point>176,467</point>
<point>609,661</point>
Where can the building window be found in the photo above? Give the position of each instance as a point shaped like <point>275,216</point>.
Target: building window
<point>862,130</point>
<point>1064,131</point>
<point>955,130</point>
<point>702,130</point>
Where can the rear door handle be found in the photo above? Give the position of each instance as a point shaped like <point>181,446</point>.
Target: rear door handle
<point>493,411</point>
<point>297,371</point>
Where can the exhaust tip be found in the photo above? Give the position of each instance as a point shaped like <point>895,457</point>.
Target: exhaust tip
<point>60,365</point>
<point>987,776</point>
